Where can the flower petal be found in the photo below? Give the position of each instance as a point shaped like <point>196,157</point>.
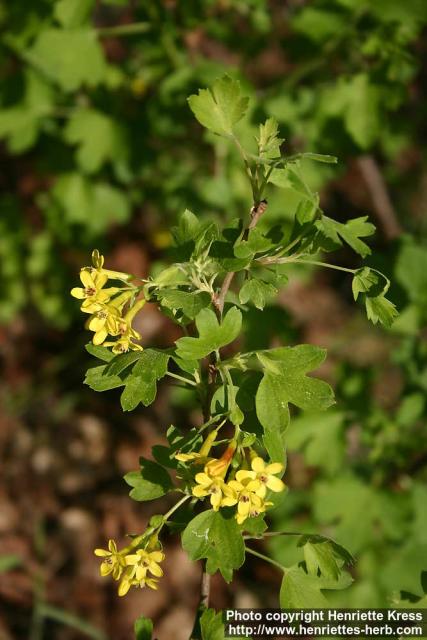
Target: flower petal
<point>199,491</point>
<point>258,464</point>
<point>155,569</point>
<point>253,485</point>
<point>86,278</point>
<point>78,292</point>
<point>124,586</point>
<point>216,500</point>
<point>203,479</point>
<point>244,475</point>
<point>95,323</point>
<point>105,569</point>
<point>100,336</point>
<point>273,468</point>
<point>243,508</point>
<point>262,491</point>
<point>112,546</point>
<point>275,484</point>
<point>235,486</point>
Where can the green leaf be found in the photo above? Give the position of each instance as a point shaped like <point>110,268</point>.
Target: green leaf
<point>141,383</point>
<point>70,57</point>
<point>254,526</point>
<point>220,107</point>
<point>273,414</point>
<point>285,381</point>
<point>301,590</point>
<point>359,510</point>
<point>362,113</point>
<point>224,401</point>
<point>318,24</point>
<point>379,309</point>
<point>94,205</point>
<point>255,243</point>
<point>319,157</point>
<point>100,352</point>
<point>143,628</point>
<point>350,232</point>
<point>269,141</point>
<point>411,271</point>
<point>120,362</point>
<point>363,281</point>
<point>187,229</point>
<point>211,625</point>
<point>319,556</point>
<point>212,335</point>
<point>257,292</point>
<point>291,178</point>
<point>320,437</point>
<point>100,139</point>
<point>191,303</point>
<point>21,124</point>
<point>151,482</point>
<point>339,550</point>
<point>73,13</point>
<point>98,380</point>
<point>216,536</point>
<point>373,285</point>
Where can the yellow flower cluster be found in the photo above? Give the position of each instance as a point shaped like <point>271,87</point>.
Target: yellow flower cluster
<point>106,306</point>
<point>131,567</point>
<point>247,490</point>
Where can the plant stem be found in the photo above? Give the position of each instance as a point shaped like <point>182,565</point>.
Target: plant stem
<point>270,534</point>
<point>218,300</point>
<point>327,265</point>
<point>178,377</point>
<point>124,29</point>
<point>231,386</point>
<point>266,558</point>
<point>295,260</point>
<point>175,507</point>
<point>205,589</point>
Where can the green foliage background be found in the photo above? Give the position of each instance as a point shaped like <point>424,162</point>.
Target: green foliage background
<point>99,146</point>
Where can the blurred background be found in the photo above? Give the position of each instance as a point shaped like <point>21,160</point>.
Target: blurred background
<point>99,149</point>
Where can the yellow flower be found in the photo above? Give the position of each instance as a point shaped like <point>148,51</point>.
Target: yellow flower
<point>106,320</point>
<point>123,344</point>
<point>139,564</point>
<point>219,467</point>
<point>221,495</point>
<point>265,474</point>
<point>127,582</point>
<point>187,457</point>
<point>103,323</point>
<point>143,561</point>
<point>98,264</point>
<point>200,456</point>
<point>114,561</point>
<point>248,502</point>
<point>92,292</point>
<point>126,332</point>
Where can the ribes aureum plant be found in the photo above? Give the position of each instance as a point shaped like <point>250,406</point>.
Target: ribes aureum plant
<point>226,473</point>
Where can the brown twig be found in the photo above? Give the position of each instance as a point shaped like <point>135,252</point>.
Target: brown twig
<point>381,200</point>
<point>219,299</point>
<point>205,589</point>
